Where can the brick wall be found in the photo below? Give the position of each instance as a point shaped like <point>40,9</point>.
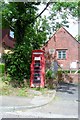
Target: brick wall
<point>62,39</point>
<point>75,77</point>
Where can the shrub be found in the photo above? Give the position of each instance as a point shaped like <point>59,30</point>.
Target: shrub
<point>51,81</point>
<point>79,71</point>
<point>2,67</point>
<point>6,78</point>
<point>60,75</point>
<point>18,63</point>
<point>49,74</point>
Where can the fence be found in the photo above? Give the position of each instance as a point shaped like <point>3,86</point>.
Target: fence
<point>72,76</point>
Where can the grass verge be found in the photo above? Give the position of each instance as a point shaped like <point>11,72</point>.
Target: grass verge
<point>9,90</point>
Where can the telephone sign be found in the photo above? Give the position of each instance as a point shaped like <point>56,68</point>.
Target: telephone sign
<point>37,58</point>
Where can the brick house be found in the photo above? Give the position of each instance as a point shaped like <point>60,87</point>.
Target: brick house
<point>66,49</point>
<point>7,41</point>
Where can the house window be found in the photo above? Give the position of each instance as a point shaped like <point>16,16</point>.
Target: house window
<point>11,34</point>
<point>61,54</point>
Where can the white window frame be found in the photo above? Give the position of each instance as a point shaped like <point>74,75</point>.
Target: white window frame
<point>61,54</point>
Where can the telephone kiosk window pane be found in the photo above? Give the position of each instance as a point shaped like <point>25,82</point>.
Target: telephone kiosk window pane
<point>36,74</point>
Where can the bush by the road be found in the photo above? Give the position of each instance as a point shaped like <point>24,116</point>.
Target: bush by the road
<point>2,67</point>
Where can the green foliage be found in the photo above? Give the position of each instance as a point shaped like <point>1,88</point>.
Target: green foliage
<point>22,92</point>
<point>51,81</point>
<point>7,89</point>
<point>41,30</point>
<point>79,71</point>
<point>18,16</point>
<point>60,73</point>
<point>79,10</point>
<point>2,68</point>
<point>60,13</point>
<point>41,90</point>
<point>18,63</point>
<point>77,38</point>
<point>49,74</point>
<point>29,35</point>
<point>72,71</point>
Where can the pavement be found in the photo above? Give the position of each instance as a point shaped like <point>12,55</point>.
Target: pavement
<point>64,105</point>
<point>15,103</point>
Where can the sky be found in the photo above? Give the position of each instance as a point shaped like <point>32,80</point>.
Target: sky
<point>73,28</point>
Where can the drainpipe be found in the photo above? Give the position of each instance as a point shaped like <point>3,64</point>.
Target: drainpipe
<point>55,46</point>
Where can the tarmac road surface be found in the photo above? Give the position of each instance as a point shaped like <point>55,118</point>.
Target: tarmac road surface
<point>64,105</point>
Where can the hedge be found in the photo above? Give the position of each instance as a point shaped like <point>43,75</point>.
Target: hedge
<point>68,71</point>
<point>2,67</point>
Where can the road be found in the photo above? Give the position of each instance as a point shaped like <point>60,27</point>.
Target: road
<point>64,105</point>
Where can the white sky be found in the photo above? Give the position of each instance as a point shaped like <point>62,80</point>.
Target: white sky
<point>73,28</point>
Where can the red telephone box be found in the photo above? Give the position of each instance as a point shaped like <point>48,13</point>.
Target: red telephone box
<point>37,78</point>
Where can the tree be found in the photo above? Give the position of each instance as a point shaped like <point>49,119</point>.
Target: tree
<point>77,38</point>
<point>60,13</point>
<point>18,16</point>
<point>30,33</point>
